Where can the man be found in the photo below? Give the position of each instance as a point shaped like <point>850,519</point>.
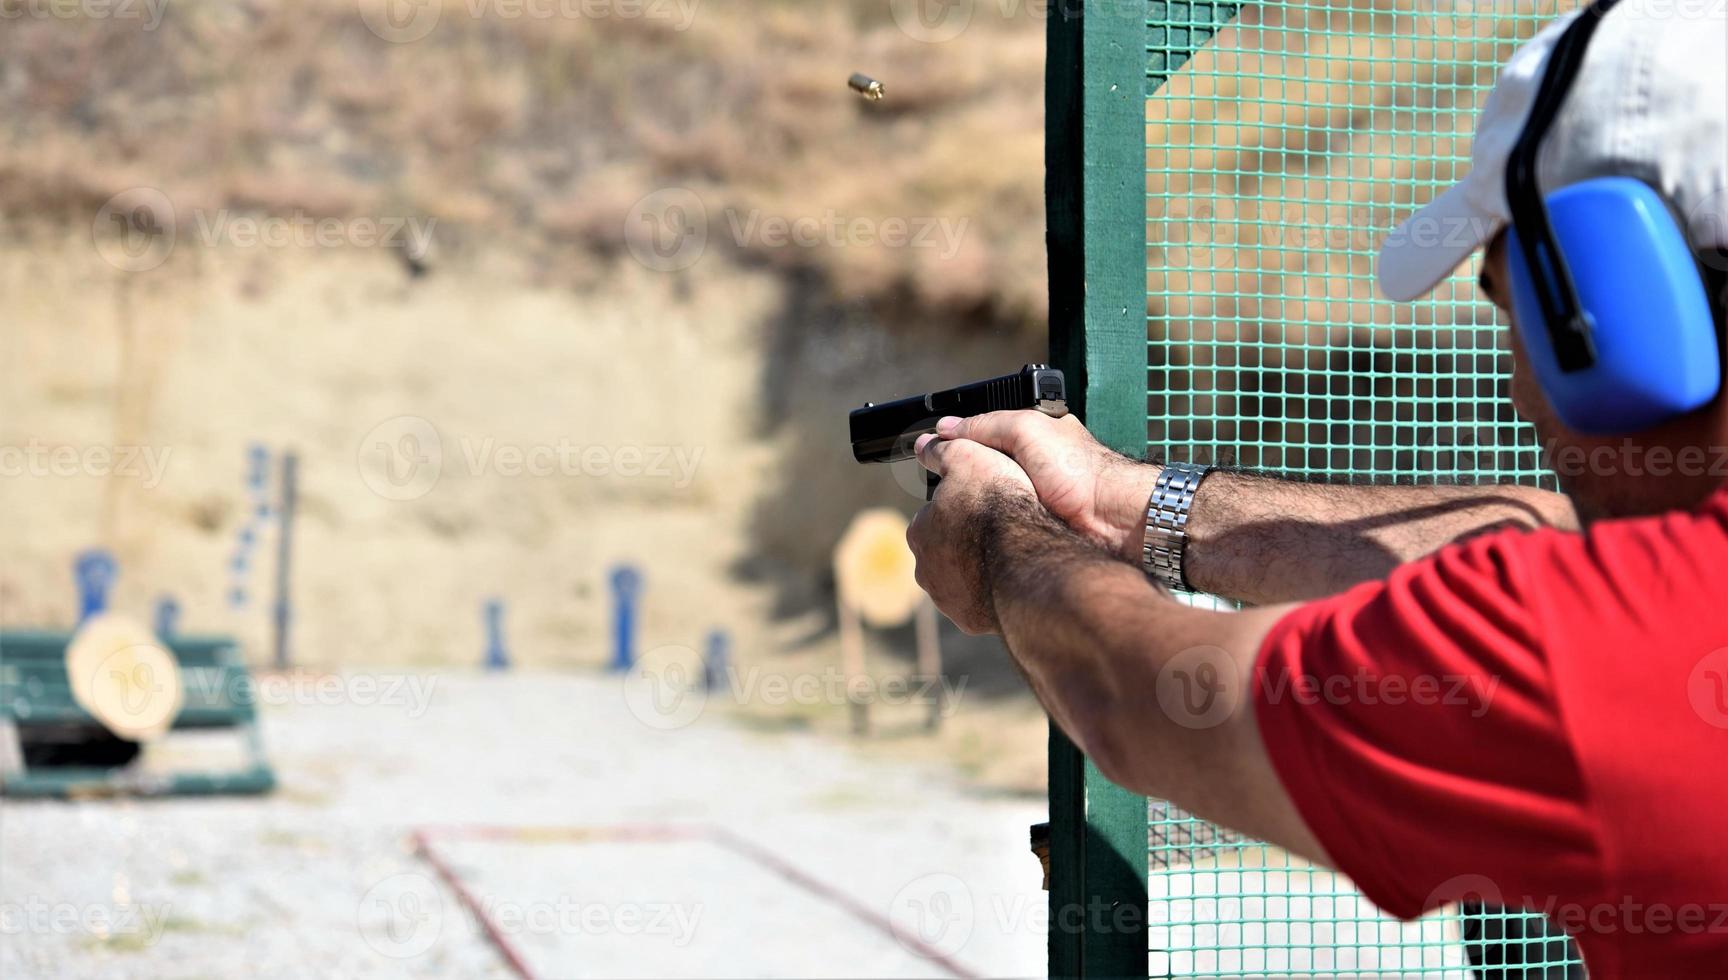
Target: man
<point>1447,693</point>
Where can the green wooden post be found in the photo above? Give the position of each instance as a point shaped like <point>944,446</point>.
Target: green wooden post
<point>1095,197</point>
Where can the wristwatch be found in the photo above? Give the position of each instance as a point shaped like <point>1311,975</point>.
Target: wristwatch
<point>1167,523</point>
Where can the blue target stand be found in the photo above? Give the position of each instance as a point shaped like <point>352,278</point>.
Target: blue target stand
<point>261,512</point>
<point>716,661</point>
<point>497,657</point>
<point>626,596</point>
<point>257,516</point>
<point>94,571</point>
<point>167,617</point>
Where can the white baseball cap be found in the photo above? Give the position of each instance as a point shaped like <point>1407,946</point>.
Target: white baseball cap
<point>1651,102</point>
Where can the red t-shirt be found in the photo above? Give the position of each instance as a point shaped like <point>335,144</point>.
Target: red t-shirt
<point>1536,719</point>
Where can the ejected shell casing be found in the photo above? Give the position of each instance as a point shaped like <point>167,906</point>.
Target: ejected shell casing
<point>866,86</point>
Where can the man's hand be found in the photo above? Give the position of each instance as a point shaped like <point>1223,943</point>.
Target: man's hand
<point>951,536</point>
<point>1104,650</point>
<point>1097,492</point>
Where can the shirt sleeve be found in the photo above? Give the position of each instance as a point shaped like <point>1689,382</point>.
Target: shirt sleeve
<point>1415,724</point>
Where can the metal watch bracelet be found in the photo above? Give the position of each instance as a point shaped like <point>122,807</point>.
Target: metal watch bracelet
<point>1167,523</point>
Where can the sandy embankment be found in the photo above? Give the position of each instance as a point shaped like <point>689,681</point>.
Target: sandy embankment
<point>575,429</point>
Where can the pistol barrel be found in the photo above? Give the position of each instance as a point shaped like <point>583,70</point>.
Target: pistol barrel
<point>888,432</point>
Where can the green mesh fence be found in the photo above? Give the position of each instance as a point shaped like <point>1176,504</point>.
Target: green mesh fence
<point>1283,140</point>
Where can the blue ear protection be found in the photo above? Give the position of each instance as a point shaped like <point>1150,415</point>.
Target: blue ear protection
<point>1607,293</point>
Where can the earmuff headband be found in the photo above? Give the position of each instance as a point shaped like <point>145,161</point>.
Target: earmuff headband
<point>1568,324</point>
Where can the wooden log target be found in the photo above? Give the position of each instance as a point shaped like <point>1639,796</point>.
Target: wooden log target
<point>124,676</point>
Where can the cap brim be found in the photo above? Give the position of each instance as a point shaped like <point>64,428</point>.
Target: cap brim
<point>1426,248</point>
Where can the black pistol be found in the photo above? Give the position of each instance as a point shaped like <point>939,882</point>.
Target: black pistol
<point>888,432</point>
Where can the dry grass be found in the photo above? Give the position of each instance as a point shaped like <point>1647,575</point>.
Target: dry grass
<point>547,130</point>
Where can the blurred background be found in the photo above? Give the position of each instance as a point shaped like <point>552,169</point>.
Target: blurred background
<point>557,308</point>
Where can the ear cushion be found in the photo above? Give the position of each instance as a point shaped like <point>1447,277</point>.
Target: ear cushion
<point>1657,350</point>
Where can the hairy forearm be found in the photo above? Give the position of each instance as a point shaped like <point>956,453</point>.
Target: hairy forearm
<point>1092,635</point>
<point>1262,539</point>
<point>1105,651</point>
<point>1033,567</point>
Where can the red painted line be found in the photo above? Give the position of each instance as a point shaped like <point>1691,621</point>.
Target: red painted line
<point>663,833</point>
<point>859,910</point>
<point>623,833</point>
<point>512,956</point>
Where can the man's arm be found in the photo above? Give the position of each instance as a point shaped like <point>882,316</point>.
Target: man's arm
<point>1155,692</point>
<point>1260,539</point>
<point>1254,538</point>
<point>1347,730</point>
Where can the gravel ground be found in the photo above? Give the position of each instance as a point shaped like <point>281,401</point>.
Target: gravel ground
<point>322,878</point>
